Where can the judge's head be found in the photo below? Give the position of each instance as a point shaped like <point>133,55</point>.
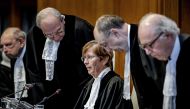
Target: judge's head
<point>157,34</point>
<point>96,58</point>
<point>13,41</point>
<point>51,22</point>
<point>112,31</point>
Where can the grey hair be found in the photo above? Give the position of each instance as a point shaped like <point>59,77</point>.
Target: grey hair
<point>45,12</point>
<point>106,22</point>
<point>16,32</point>
<point>162,23</point>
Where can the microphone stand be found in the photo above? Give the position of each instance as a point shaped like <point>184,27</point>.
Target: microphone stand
<point>26,87</point>
<point>20,96</point>
<point>47,98</point>
<point>18,102</point>
<point>12,94</point>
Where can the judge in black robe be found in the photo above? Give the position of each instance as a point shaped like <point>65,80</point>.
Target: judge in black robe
<point>147,73</point>
<point>173,48</point>
<point>70,73</point>
<point>110,93</point>
<point>98,62</point>
<point>35,92</point>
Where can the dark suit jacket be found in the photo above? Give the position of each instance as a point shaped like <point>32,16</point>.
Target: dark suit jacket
<point>69,71</point>
<point>183,74</point>
<point>147,74</point>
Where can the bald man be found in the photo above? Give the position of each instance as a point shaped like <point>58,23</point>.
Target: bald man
<point>13,41</point>
<point>160,38</point>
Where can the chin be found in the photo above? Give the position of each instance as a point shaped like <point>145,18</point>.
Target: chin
<point>162,58</point>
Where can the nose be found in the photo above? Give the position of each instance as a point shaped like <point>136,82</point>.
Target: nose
<point>85,61</point>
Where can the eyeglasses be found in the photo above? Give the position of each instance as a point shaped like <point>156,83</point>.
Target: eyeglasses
<point>87,57</point>
<point>150,44</point>
<point>57,33</point>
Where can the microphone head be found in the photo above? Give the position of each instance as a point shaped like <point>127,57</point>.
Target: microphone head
<point>58,91</point>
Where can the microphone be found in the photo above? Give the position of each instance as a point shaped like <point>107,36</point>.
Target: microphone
<point>26,87</point>
<point>47,98</point>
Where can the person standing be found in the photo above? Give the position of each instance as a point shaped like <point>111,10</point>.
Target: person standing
<point>114,33</point>
<point>55,48</point>
<point>160,37</point>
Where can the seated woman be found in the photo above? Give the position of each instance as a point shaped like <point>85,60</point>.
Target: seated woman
<point>104,90</point>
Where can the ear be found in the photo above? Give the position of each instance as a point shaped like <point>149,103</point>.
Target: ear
<point>105,60</point>
<point>114,32</point>
<point>62,17</point>
<point>21,41</point>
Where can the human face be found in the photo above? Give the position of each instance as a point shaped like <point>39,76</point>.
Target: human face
<point>155,44</point>
<point>11,46</point>
<point>53,28</point>
<point>151,43</point>
<point>93,63</point>
<point>117,40</point>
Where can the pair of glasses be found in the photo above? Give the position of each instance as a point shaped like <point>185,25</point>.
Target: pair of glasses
<point>87,58</point>
<point>151,43</point>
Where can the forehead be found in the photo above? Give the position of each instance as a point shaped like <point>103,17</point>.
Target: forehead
<point>90,50</point>
<point>7,38</point>
<point>146,33</point>
<point>99,36</point>
<point>49,23</point>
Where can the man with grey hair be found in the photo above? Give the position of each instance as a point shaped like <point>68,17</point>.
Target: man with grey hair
<point>113,32</point>
<point>160,37</point>
<point>13,41</point>
<point>55,44</point>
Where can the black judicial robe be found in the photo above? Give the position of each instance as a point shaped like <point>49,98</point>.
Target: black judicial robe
<point>70,73</point>
<point>110,93</point>
<point>6,81</point>
<point>183,73</point>
<point>147,74</point>
<point>6,86</point>
<point>153,90</point>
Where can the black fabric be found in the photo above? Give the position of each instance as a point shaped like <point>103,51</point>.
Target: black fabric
<point>110,93</point>
<point>70,74</point>
<point>147,74</point>
<point>183,74</point>
<point>6,81</point>
<point>126,104</point>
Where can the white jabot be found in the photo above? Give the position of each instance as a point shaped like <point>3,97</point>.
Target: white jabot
<point>170,89</point>
<point>50,56</point>
<point>126,89</point>
<point>95,89</point>
<point>20,75</point>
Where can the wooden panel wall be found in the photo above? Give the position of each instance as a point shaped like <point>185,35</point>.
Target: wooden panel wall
<point>130,10</point>
<point>88,9</point>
